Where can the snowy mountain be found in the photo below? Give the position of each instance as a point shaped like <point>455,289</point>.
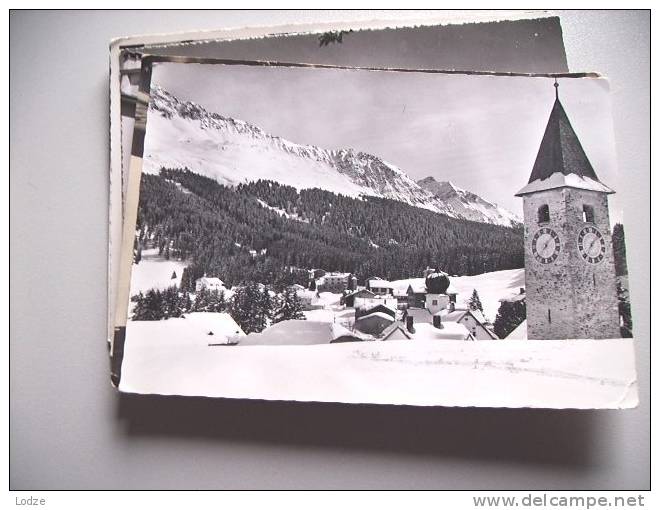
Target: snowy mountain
<point>468,205</point>
<point>184,134</point>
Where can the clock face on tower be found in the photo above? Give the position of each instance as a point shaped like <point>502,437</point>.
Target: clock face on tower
<point>546,245</point>
<point>591,245</point>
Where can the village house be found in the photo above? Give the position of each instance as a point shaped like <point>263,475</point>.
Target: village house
<point>380,287</point>
<point>366,302</point>
<point>209,283</point>
<point>416,293</point>
<point>394,331</point>
<point>349,296</point>
<point>473,320</point>
<point>336,282</point>
<point>443,331</point>
<point>374,320</point>
<point>309,299</point>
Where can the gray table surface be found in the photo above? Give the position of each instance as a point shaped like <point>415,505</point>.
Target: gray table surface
<point>70,430</point>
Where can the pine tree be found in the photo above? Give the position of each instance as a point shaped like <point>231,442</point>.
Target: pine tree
<point>202,300</point>
<point>139,307</point>
<point>475,302</point>
<point>138,253</point>
<point>172,303</point>
<point>619,250</point>
<point>251,307</point>
<point>149,306</point>
<point>185,303</point>
<point>216,301</point>
<point>509,316</point>
<point>173,277</point>
<point>290,307</point>
<point>624,311</point>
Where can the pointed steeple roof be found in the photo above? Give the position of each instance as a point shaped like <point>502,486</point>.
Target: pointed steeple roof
<point>561,157</point>
<point>561,150</point>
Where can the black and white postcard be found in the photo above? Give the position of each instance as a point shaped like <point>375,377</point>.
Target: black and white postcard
<point>322,233</point>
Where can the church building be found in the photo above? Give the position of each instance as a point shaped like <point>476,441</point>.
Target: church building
<point>569,264</point>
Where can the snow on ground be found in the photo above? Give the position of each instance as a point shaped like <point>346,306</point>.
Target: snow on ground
<point>536,373</point>
<point>491,288</point>
<point>281,212</point>
<point>328,299</point>
<point>231,157</point>
<point>155,272</point>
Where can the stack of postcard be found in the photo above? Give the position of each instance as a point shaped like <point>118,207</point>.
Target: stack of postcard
<point>419,213</point>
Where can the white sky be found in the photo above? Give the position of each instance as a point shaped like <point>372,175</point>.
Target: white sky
<point>480,132</point>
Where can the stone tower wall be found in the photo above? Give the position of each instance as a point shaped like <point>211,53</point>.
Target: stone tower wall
<point>562,300</point>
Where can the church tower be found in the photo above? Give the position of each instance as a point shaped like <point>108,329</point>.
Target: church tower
<point>569,264</point>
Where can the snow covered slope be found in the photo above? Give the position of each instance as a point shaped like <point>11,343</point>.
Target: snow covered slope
<point>466,204</point>
<point>184,134</point>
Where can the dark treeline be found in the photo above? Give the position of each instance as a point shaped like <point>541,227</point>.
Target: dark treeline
<point>190,216</point>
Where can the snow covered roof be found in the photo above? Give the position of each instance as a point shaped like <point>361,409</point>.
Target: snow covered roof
<point>513,298</point>
<point>221,324</point>
<point>559,180</point>
<point>210,280</point>
<point>360,293</point>
<point>291,332</point>
<point>382,315</point>
<point>392,329</point>
<point>520,333</point>
<point>454,316</point>
<point>380,284</point>
<point>479,316</point>
<point>338,331</point>
<point>449,331</point>
<point>417,285</point>
<point>561,160</point>
<point>337,275</point>
<point>420,315</point>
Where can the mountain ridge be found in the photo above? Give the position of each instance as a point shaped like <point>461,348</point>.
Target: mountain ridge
<point>184,134</point>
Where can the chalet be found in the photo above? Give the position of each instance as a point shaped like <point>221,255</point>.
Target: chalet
<point>395,332</point>
<point>416,293</point>
<point>436,328</point>
<point>209,283</point>
<point>349,297</point>
<point>388,310</point>
<point>374,320</point>
<point>366,302</point>
<point>446,331</point>
<point>473,320</point>
<point>335,282</point>
<point>380,287</point>
<point>520,333</point>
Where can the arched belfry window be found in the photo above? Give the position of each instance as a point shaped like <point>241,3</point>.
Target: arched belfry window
<point>587,214</point>
<point>544,214</point>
